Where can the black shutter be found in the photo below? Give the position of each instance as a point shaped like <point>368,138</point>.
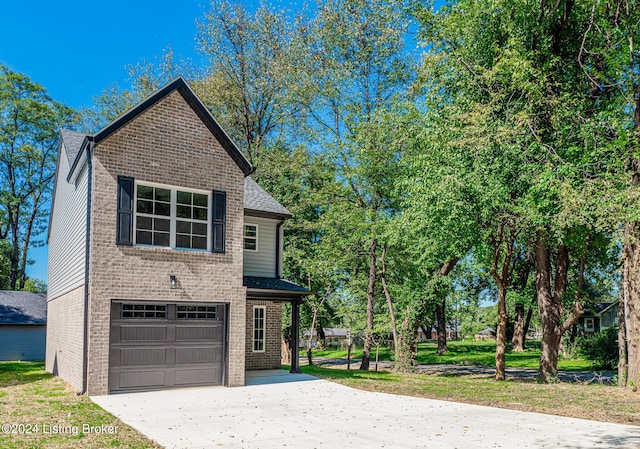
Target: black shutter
<point>219,220</point>
<point>124,224</point>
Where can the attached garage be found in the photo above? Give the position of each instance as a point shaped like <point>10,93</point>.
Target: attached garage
<point>155,345</point>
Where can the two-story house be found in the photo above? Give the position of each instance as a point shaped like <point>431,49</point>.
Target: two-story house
<point>165,258</point>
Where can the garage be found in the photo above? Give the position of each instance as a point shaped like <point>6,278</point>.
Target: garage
<point>156,345</point>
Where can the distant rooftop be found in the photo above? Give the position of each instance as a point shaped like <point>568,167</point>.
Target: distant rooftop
<point>22,307</point>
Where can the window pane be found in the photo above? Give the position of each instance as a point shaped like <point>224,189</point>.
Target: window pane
<point>143,223</point>
<point>162,209</point>
<point>145,192</point>
<point>250,244</point>
<point>200,200</point>
<point>160,224</point>
<point>199,213</point>
<point>143,238</point>
<point>183,212</point>
<point>199,229</point>
<point>184,198</point>
<point>199,242</point>
<point>250,231</point>
<point>161,239</point>
<point>183,227</point>
<point>145,207</point>
<point>163,195</point>
<point>183,241</point>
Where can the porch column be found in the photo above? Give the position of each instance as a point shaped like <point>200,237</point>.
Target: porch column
<point>295,330</point>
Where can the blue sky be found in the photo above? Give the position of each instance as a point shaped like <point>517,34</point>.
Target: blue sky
<point>76,49</point>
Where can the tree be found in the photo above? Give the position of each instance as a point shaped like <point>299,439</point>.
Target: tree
<point>29,124</point>
<point>355,72</point>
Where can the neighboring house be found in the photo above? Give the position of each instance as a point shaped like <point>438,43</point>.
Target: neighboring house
<point>485,334</point>
<point>598,317</point>
<point>452,331</point>
<point>23,319</point>
<point>333,336</point>
<point>165,259</point>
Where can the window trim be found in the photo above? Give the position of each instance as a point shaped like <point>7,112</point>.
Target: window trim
<point>244,237</point>
<point>593,324</point>
<point>172,215</point>
<point>254,340</point>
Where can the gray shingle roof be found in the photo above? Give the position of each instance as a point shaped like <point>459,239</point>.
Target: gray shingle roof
<point>257,199</point>
<point>72,142</point>
<point>23,307</point>
<point>262,283</point>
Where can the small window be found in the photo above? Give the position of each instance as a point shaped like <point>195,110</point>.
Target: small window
<point>258,328</point>
<point>251,237</point>
<point>588,324</point>
<point>197,312</point>
<point>143,311</point>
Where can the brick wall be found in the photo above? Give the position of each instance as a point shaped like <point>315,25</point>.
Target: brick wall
<point>270,358</point>
<point>65,318</point>
<point>166,144</point>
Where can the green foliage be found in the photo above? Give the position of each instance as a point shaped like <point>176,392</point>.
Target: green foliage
<point>601,348</point>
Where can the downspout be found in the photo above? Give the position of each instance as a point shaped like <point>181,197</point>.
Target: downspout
<point>278,265</point>
<point>85,337</point>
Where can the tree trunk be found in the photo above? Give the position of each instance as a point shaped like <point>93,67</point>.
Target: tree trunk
<point>392,313</point>
<point>501,332</point>
<point>631,307</point>
<point>368,334</point>
<point>425,332</point>
<point>527,324</point>
<point>406,350</point>
<point>622,337</point>
<point>441,327</point>
<point>518,329</point>
<point>321,339</point>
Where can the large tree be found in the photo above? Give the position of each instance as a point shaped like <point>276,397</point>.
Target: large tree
<point>29,124</point>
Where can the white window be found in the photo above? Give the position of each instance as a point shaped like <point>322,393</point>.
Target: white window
<point>251,237</point>
<point>172,217</point>
<point>258,328</point>
<point>588,324</point>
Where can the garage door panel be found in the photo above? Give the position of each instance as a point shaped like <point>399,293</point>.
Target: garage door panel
<point>143,333</point>
<point>197,333</point>
<point>163,352</point>
<point>142,379</point>
<point>196,376</point>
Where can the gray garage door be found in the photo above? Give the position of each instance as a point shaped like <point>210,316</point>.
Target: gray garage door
<point>157,345</point>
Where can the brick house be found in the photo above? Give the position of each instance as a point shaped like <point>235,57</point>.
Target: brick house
<point>165,258</point>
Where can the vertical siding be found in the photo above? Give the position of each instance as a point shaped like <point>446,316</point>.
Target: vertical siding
<point>68,231</point>
<point>262,262</point>
<point>22,342</point>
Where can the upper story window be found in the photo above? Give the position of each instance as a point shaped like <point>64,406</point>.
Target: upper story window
<point>172,217</point>
<point>251,237</point>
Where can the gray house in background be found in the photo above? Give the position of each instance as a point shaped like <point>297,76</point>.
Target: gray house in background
<point>165,258</point>
<point>23,319</point>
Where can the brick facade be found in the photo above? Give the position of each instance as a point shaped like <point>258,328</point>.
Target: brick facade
<point>271,357</point>
<point>166,144</point>
<point>65,332</point>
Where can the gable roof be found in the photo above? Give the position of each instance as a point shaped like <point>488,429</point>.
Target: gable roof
<point>72,143</point>
<point>258,200</point>
<point>180,85</point>
<point>22,307</point>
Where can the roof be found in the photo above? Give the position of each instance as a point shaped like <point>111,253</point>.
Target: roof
<point>275,284</point>
<point>257,199</point>
<point>72,142</point>
<point>23,307</point>
<point>487,331</point>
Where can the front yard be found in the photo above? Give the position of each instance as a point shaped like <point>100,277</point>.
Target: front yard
<point>593,401</point>
<point>39,410</point>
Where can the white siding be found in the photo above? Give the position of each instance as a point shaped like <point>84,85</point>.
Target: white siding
<point>262,262</point>
<point>67,236</point>
<point>22,342</point>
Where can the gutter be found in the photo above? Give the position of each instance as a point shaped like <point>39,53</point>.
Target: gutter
<point>85,337</point>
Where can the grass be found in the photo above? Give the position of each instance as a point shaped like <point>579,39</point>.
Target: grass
<point>468,353</point>
<point>29,396</point>
<point>593,401</point>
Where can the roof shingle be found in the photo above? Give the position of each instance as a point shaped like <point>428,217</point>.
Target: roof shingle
<point>257,199</point>
<point>23,307</point>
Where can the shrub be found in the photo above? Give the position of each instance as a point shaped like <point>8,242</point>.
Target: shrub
<point>601,349</point>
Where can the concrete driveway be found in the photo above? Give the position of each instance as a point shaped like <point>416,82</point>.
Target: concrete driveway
<point>300,411</point>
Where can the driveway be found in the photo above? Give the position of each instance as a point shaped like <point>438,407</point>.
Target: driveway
<point>300,411</point>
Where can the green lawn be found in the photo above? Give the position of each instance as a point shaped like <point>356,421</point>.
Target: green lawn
<point>598,402</point>
<point>33,401</point>
<point>468,353</point>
